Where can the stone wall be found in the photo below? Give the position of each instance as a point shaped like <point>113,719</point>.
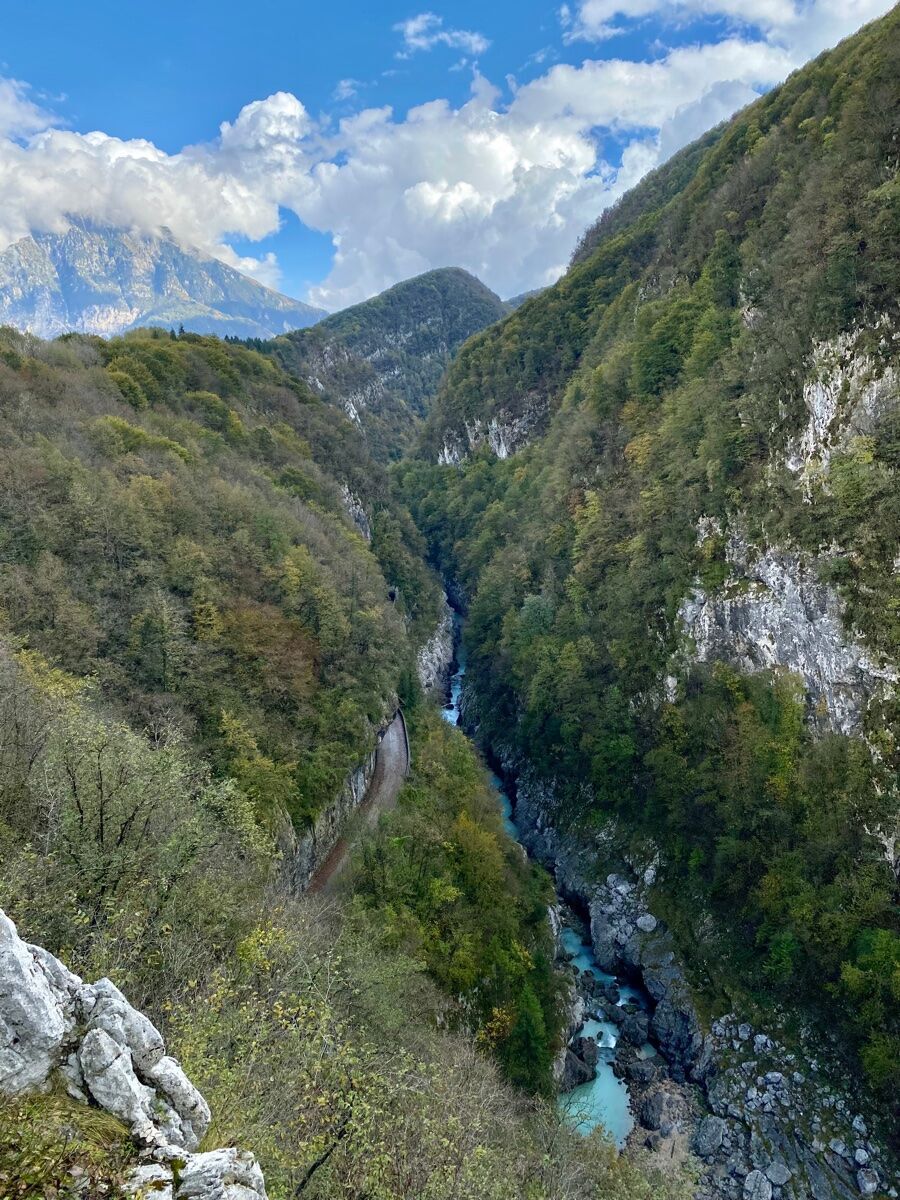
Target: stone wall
<point>436,657</point>
<point>307,852</point>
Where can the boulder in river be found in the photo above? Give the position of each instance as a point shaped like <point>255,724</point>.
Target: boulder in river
<point>575,1072</point>
<point>586,1049</point>
<point>636,1028</point>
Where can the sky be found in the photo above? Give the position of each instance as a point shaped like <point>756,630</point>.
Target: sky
<point>331,150</point>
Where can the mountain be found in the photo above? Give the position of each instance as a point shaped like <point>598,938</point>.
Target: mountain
<point>95,279</point>
<point>515,302</point>
<point>666,492</point>
<point>211,609</point>
<point>382,361</point>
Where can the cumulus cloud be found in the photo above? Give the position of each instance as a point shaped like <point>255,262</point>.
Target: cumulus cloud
<point>500,186</point>
<point>426,31</point>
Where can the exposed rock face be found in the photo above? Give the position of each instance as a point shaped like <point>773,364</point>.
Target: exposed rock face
<point>775,612</point>
<point>504,434</point>
<point>53,1025</point>
<point>356,512</point>
<point>769,1109</point>
<point>578,1068</point>
<point>96,279</point>
<point>436,656</point>
<point>846,394</point>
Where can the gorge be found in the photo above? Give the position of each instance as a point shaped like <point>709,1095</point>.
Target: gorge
<point>735,1096</point>
<point>644,529</point>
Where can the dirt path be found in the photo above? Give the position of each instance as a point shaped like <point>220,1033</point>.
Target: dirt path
<point>391,766</point>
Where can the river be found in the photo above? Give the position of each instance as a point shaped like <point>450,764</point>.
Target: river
<point>604,1100</point>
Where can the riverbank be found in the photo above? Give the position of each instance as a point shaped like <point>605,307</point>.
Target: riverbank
<point>759,1112</point>
<point>608,1025</point>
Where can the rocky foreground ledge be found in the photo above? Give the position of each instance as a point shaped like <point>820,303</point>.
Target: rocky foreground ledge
<point>54,1028</point>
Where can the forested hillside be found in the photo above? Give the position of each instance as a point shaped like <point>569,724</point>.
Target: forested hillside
<point>381,361</point>
<point>209,605</point>
<point>683,607</point>
<point>176,523</point>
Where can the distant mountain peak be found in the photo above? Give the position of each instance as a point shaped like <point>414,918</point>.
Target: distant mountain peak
<point>99,279</point>
<point>381,361</point>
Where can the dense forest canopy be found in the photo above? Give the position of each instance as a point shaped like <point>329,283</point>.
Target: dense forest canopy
<point>383,360</point>
<point>174,524</point>
<point>668,369</point>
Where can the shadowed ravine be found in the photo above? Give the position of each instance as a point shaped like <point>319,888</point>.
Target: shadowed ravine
<point>604,1101</point>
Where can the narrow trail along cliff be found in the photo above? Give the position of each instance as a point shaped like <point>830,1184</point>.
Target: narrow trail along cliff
<point>391,769</point>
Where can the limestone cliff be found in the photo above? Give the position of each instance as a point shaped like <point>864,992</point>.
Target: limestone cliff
<point>435,657</point>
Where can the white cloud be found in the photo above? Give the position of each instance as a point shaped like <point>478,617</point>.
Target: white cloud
<point>346,89</point>
<point>807,26</point>
<point>501,188</point>
<point>19,115</point>
<point>425,31</point>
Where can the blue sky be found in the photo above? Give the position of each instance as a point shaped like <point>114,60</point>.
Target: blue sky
<point>330,179</point>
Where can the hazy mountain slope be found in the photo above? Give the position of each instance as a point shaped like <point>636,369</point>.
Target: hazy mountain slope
<point>100,280</point>
<point>684,614</point>
<point>382,361</point>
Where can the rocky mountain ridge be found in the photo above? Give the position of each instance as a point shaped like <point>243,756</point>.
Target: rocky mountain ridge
<point>381,361</point>
<point>96,279</point>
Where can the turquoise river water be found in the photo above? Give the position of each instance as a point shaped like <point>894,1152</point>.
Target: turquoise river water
<point>603,1101</point>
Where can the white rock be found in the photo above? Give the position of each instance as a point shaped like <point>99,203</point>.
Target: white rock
<point>222,1175</point>
<point>171,1082</point>
<point>106,1008</point>
<point>33,1023</point>
<point>775,612</point>
<point>109,1077</point>
<point>45,1010</point>
<point>646,922</point>
<point>149,1182</point>
<point>844,397</point>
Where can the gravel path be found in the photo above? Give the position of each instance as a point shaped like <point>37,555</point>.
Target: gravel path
<point>391,767</point>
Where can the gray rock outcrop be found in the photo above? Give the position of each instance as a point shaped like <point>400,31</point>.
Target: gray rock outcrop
<point>767,1108</point>
<point>775,612</point>
<point>436,656</point>
<point>54,1026</point>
